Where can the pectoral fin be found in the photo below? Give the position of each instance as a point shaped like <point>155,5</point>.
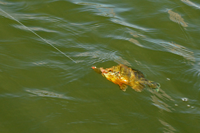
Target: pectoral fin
<point>123,87</point>
<point>138,87</point>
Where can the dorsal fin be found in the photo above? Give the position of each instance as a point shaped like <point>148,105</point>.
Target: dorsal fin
<point>138,73</point>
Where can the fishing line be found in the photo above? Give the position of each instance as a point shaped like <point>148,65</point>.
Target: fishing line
<point>38,35</point>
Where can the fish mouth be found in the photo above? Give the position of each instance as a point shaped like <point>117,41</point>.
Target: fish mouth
<point>99,70</point>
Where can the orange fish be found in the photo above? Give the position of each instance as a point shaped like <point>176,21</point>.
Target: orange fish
<point>125,76</point>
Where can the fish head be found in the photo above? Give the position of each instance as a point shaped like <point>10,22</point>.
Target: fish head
<point>113,76</point>
<point>105,72</point>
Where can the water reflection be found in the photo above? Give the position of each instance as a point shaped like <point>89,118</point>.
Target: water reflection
<point>120,60</point>
<point>175,17</point>
<point>191,3</point>
<point>3,3</point>
<point>100,56</point>
<point>192,73</point>
<point>180,50</point>
<point>160,104</point>
<point>137,35</point>
<point>159,98</point>
<point>136,42</point>
<point>44,93</point>
<point>169,128</point>
<point>34,28</point>
<point>40,63</point>
<point>118,21</point>
<point>103,10</point>
<point>106,11</point>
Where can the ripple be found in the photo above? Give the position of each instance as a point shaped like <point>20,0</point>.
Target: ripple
<point>191,3</point>
<point>180,50</point>
<point>168,128</point>
<point>121,22</point>
<point>159,100</point>
<point>192,73</point>
<point>34,28</point>
<point>4,3</point>
<point>135,42</point>
<point>100,56</point>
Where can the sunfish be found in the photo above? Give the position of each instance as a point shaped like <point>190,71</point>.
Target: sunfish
<point>125,76</point>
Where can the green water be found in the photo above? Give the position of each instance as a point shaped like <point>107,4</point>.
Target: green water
<point>43,91</point>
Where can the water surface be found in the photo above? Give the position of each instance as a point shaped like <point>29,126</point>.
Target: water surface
<point>42,90</point>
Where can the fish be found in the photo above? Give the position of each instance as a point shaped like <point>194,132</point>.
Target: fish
<point>125,76</point>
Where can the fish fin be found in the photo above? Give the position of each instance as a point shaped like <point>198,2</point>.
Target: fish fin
<point>123,87</point>
<point>153,85</point>
<point>137,87</point>
<point>157,89</point>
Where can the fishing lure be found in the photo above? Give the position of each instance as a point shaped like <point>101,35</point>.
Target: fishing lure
<point>125,76</point>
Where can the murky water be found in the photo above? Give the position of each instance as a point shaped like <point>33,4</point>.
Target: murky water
<point>42,90</point>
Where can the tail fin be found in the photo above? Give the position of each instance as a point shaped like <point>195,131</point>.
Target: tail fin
<point>153,85</point>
